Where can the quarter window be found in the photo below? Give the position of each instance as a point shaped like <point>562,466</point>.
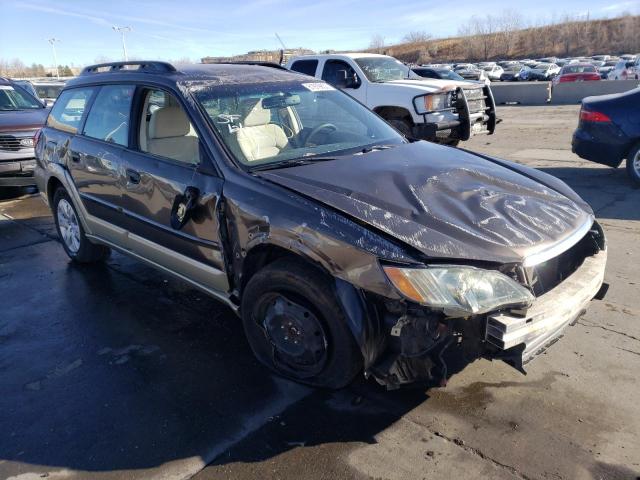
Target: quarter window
<point>308,67</point>
<point>67,112</point>
<point>108,119</point>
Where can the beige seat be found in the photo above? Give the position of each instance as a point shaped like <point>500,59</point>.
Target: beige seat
<point>258,138</point>
<point>169,135</point>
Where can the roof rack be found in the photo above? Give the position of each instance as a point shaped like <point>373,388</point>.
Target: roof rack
<point>143,66</point>
<point>258,63</point>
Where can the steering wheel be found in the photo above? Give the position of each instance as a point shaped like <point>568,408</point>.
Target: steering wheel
<point>323,126</point>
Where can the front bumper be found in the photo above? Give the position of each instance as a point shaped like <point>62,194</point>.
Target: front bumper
<point>17,173</point>
<point>521,336</point>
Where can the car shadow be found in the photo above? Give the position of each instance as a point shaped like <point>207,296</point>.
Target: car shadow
<point>610,192</point>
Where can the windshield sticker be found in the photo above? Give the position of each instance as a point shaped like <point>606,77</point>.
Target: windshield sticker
<point>318,87</point>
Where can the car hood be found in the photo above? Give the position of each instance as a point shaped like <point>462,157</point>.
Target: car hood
<point>429,85</point>
<point>445,202</point>
<point>15,121</point>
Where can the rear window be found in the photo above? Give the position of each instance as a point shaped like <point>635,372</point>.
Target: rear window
<point>308,67</point>
<point>109,117</point>
<point>579,69</point>
<point>67,112</point>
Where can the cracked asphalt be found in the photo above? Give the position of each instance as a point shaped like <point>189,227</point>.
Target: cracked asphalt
<point>119,372</point>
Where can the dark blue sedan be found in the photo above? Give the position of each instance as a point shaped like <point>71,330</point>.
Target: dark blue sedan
<point>609,131</point>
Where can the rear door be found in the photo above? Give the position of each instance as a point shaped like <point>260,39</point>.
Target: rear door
<point>96,160</point>
<point>171,192</point>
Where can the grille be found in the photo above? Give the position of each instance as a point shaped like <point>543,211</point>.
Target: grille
<point>546,276</point>
<point>10,143</point>
<point>476,100</point>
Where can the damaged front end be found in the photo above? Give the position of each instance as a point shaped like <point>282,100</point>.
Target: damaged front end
<point>424,343</point>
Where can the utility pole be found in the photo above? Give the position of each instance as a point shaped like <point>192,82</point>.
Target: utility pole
<point>52,41</point>
<point>122,31</point>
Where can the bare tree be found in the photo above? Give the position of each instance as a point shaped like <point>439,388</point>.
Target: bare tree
<point>377,42</point>
<point>509,24</point>
<point>416,37</point>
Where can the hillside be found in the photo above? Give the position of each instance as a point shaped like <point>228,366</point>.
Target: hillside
<point>571,38</point>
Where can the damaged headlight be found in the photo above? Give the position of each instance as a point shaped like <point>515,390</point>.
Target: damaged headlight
<point>459,291</point>
<point>433,102</point>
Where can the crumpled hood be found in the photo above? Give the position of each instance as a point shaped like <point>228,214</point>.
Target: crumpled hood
<point>15,121</point>
<point>445,202</point>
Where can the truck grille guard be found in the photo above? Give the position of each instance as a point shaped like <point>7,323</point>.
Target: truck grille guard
<point>483,103</point>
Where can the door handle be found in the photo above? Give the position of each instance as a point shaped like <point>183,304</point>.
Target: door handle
<point>133,176</point>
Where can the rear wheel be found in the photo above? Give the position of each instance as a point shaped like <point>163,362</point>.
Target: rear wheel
<point>72,236</point>
<point>296,326</point>
<point>633,165</point>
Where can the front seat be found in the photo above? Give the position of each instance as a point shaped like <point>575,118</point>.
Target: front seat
<point>168,135</point>
<point>258,138</point>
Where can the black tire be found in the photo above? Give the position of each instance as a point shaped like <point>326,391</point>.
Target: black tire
<point>403,125</point>
<point>450,142</point>
<point>633,165</point>
<point>86,252</point>
<point>330,357</point>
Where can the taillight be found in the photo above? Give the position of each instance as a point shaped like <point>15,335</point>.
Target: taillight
<point>591,116</point>
<point>565,79</point>
<point>594,76</point>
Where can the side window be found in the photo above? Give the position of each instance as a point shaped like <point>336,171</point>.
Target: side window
<point>340,74</point>
<point>308,67</point>
<point>165,129</point>
<point>67,112</point>
<point>108,119</point>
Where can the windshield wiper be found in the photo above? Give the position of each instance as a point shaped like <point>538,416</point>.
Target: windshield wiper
<point>294,162</point>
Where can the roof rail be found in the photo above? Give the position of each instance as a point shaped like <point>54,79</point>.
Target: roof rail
<point>149,66</point>
<point>258,63</point>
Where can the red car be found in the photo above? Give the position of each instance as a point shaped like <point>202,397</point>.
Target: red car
<point>577,72</point>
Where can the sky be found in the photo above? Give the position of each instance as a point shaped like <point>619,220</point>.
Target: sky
<point>177,29</point>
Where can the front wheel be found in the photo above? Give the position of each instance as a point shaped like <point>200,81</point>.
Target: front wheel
<point>296,327</point>
<point>74,241</point>
<point>633,165</point>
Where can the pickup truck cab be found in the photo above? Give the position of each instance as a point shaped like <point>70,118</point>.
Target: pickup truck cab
<point>445,111</point>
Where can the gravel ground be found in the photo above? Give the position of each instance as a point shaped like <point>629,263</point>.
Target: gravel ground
<point>118,372</point>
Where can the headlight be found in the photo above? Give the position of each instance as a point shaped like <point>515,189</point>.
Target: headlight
<point>458,291</point>
<point>433,102</point>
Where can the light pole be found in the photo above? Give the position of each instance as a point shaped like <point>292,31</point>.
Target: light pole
<point>122,31</point>
<point>52,41</point>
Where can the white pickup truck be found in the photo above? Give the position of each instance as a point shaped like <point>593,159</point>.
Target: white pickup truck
<point>445,111</point>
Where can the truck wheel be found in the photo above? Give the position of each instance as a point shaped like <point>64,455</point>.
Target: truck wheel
<point>296,327</point>
<point>633,165</point>
<point>403,125</point>
<point>72,236</point>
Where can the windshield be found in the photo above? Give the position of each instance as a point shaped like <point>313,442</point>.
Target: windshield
<point>542,66</point>
<point>48,91</point>
<point>17,99</point>
<point>384,69</point>
<point>268,123</point>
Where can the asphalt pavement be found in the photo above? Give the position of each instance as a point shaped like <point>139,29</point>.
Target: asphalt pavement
<point>117,371</point>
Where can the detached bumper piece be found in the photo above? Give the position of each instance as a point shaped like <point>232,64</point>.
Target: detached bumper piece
<point>521,335</point>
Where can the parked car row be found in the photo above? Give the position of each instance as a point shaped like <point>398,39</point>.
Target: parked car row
<point>607,67</point>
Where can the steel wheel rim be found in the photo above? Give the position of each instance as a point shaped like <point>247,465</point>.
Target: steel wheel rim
<point>296,336</point>
<point>69,226</point>
<point>635,164</point>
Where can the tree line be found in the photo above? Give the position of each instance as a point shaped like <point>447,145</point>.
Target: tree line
<point>508,35</point>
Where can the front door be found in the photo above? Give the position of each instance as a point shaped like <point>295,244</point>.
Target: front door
<point>170,199</point>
